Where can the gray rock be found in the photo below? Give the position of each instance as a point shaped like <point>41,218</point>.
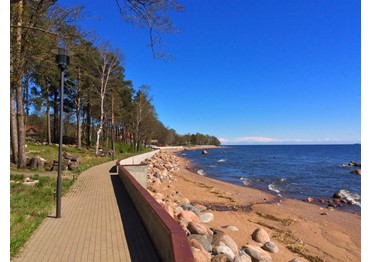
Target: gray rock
<point>206,217</point>
<point>271,247</point>
<point>257,253</point>
<point>73,166</point>
<point>224,250</point>
<point>190,207</point>
<point>205,240</point>
<point>36,163</point>
<point>242,257</point>
<point>226,239</point>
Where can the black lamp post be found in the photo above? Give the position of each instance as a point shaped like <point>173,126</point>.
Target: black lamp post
<point>62,59</point>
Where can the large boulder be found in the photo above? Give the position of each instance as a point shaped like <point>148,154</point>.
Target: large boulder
<point>36,163</point>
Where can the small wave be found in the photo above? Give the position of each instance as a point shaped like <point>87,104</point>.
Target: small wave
<point>273,187</point>
<point>282,179</point>
<point>354,198</point>
<point>201,172</point>
<point>245,181</point>
<point>221,160</point>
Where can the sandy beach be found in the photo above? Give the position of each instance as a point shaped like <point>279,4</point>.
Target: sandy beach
<point>300,229</point>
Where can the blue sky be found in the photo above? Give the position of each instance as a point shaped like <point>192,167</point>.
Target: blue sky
<point>249,71</point>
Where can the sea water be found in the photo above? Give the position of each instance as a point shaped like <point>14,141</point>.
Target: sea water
<point>292,171</point>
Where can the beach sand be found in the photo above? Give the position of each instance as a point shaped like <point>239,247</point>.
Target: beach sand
<point>300,229</point>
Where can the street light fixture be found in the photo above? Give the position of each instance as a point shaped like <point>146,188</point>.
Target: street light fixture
<point>62,59</point>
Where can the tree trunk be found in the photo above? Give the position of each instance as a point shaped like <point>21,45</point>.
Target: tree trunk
<point>21,132</point>
<point>100,124</point>
<point>89,124</point>
<point>13,128</point>
<point>78,105</point>
<point>26,99</point>
<point>49,133</point>
<point>113,125</point>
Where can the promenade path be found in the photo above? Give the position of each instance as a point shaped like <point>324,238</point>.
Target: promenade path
<point>98,223</point>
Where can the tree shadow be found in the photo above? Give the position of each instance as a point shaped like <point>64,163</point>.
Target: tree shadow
<point>140,245</point>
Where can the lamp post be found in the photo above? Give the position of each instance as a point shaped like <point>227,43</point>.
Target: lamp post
<point>62,59</point>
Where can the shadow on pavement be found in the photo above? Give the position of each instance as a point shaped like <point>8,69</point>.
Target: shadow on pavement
<point>139,243</point>
<point>113,170</point>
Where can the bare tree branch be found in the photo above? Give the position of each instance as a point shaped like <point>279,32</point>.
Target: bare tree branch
<point>36,28</point>
<point>152,14</point>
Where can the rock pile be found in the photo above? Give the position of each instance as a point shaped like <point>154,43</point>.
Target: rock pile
<point>160,168</point>
<point>207,244</point>
<point>70,162</point>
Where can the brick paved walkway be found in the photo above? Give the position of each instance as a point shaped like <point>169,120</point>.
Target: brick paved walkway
<point>98,223</point>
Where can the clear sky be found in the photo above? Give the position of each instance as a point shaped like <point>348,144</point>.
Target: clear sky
<point>249,71</point>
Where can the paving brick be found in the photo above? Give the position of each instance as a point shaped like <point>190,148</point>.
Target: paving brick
<point>91,227</point>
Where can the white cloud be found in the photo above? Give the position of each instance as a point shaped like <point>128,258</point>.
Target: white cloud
<point>263,139</point>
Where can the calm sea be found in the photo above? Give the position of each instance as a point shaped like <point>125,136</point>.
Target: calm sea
<point>292,171</point>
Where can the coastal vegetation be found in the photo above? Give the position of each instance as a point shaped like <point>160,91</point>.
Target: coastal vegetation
<point>101,106</point>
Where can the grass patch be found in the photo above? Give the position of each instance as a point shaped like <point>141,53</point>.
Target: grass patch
<point>29,205</point>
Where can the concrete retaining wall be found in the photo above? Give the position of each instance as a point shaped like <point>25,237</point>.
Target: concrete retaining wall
<point>135,160</point>
<point>168,237</point>
<point>139,172</point>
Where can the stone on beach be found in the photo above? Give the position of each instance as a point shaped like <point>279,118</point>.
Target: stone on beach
<point>224,250</point>
<point>189,216</point>
<point>198,228</point>
<point>261,236</point>
<point>200,255</point>
<point>243,257</point>
<point>191,208</point>
<point>206,217</point>
<point>204,240</point>
<point>221,237</point>
<point>271,247</point>
<point>232,228</point>
<point>257,253</point>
